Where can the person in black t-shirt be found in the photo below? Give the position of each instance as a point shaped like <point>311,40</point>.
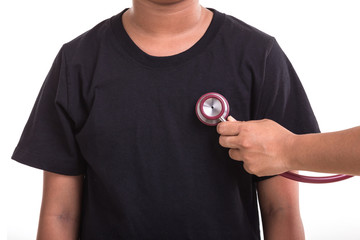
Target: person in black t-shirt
<point>123,153</point>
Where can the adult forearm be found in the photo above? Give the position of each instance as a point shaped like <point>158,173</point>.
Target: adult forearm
<point>58,227</point>
<point>336,152</point>
<point>267,148</point>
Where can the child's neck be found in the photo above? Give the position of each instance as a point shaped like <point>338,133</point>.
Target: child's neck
<point>166,29</point>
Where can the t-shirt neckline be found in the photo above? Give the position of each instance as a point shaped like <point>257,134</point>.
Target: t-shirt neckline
<point>127,44</point>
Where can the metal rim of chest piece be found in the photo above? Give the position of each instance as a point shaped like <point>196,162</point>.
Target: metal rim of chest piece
<point>211,108</point>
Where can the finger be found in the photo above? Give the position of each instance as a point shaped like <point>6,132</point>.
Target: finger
<point>246,167</point>
<point>228,141</point>
<point>229,128</point>
<point>235,154</point>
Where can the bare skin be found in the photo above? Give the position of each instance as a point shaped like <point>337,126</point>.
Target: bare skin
<point>165,28</point>
<point>60,208</point>
<point>266,148</point>
<point>279,204</point>
<point>161,29</point>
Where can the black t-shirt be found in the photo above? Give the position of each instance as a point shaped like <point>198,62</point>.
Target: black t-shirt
<point>127,121</point>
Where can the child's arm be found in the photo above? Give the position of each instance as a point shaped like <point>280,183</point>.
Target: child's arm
<point>60,208</point>
<point>279,204</point>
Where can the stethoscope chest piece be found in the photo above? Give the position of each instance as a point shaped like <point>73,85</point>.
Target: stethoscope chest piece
<point>211,108</point>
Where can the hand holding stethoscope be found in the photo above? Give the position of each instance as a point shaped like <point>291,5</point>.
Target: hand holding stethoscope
<point>211,108</point>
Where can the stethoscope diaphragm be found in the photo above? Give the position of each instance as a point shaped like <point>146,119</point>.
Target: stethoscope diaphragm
<point>211,108</point>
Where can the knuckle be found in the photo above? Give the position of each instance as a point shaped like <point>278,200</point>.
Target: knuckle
<point>244,142</point>
<point>241,126</point>
<point>252,169</point>
<point>247,168</point>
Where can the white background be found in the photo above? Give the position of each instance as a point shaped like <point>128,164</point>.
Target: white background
<point>321,38</point>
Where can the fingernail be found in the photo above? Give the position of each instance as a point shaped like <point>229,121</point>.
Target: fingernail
<point>230,118</point>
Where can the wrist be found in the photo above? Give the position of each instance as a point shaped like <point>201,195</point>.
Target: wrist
<point>291,150</point>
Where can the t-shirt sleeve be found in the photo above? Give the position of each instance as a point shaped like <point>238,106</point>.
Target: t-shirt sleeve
<point>48,139</point>
<point>280,96</point>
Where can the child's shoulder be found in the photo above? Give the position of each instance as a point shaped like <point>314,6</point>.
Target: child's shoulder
<point>91,40</point>
<point>91,36</point>
<point>244,32</point>
<point>239,25</point>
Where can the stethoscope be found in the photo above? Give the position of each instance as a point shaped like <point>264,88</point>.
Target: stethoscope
<point>212,108</point>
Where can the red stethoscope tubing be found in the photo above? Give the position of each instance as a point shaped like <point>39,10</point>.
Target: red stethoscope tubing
<point>290,175</point>
<point>310,179</point>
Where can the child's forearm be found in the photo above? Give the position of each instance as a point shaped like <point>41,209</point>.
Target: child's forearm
<point>282,225</point>
<point>58,227</point>
<point>61,207</point>
<point>279,205</point>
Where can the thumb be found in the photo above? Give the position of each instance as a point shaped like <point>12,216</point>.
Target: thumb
<point>231,119</point>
